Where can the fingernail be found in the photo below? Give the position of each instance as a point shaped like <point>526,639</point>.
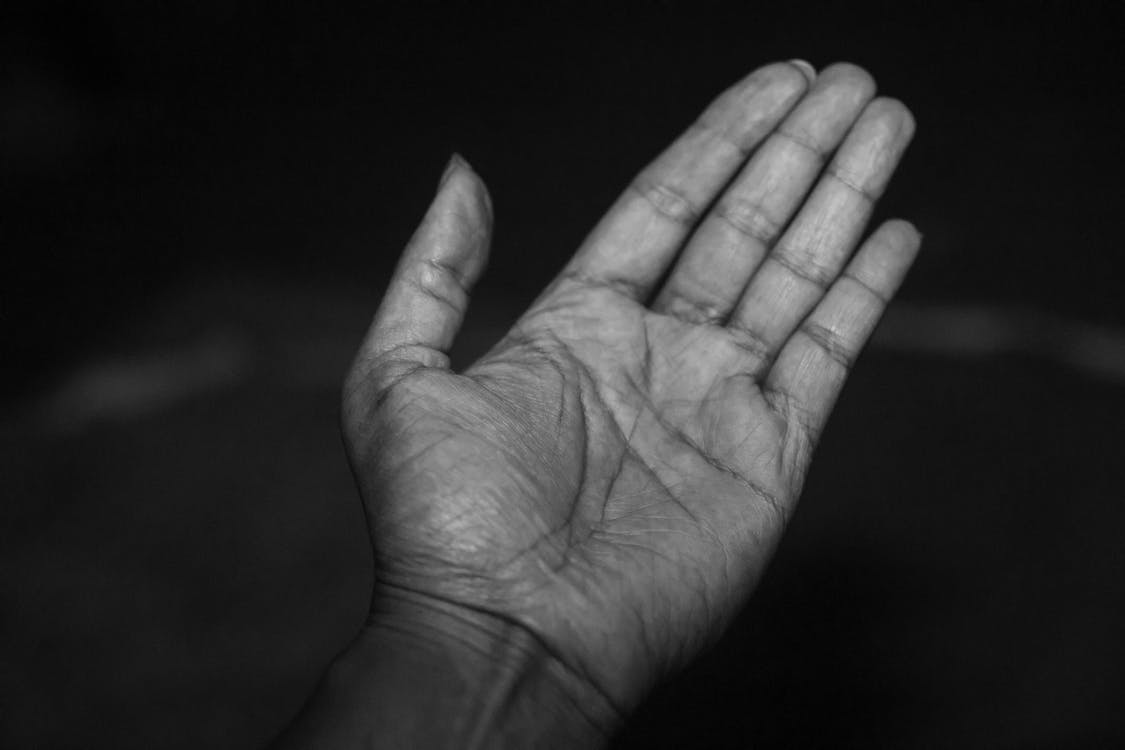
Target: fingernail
<point>806,68</point>
<point>456,161</point>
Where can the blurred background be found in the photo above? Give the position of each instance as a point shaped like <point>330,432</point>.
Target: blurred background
<point>200,207</point>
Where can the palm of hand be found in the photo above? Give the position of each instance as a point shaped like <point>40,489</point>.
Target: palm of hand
<point>615,476</point>
<point>579,476</point>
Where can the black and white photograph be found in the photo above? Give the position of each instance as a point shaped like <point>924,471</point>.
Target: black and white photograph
<point>614,375</point>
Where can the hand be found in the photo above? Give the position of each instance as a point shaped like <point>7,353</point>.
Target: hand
<point>613,476</point>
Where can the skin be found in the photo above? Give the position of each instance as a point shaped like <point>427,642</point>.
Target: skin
<point>604,488</point>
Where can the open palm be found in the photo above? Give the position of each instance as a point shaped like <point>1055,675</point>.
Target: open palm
<point>615,473</point>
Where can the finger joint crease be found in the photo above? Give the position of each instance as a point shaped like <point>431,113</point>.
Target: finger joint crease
<point>829,342</point>
<point>667,201</point>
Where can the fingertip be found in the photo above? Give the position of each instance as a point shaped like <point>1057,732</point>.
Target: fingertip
<point>885,258</point>
<point>456,164</point>
<point>897,238</point>
<point>786,79</point>
<point>806,69</point>
<point>851,75</point>
<point>461,185</point>
<point>909,122</point>
<point>903,229</point>
<point>893,114</point>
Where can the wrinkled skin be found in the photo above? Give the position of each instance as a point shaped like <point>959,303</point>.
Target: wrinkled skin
<point>615,473</point>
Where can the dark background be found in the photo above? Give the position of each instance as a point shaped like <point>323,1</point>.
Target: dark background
<point>200,207</point>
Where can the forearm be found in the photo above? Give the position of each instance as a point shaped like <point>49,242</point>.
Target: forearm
<point>426,674</point>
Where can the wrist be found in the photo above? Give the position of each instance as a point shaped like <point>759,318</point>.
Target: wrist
<point>427,673</point>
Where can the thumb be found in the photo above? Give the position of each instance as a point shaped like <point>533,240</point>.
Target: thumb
<point>429,292</point>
